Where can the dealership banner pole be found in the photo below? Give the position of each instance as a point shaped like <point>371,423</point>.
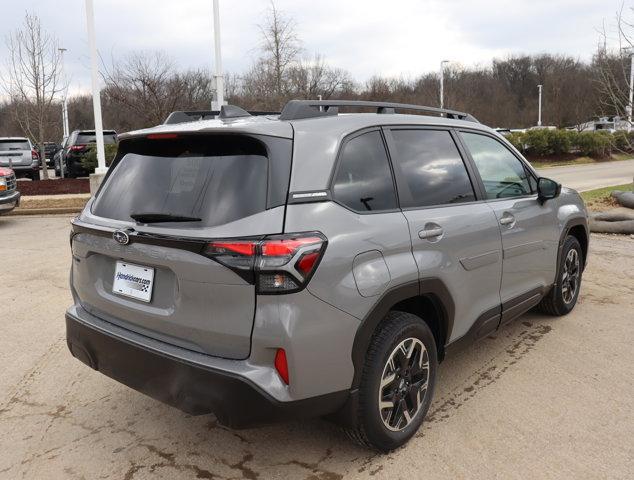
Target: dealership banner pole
<point>218,77</point>
<point>96,101</point>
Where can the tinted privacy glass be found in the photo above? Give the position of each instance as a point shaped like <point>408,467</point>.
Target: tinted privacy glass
<point>8,145</point>
<point>502,173</point>
<point>433,168</point>
<point>218,180</point>
<point>83,138</point>
<point>364,179</point>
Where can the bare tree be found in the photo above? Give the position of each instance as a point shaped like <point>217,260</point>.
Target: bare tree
<point>144,86</point>
<point>32,79</point>
<point>612,67</point>
<point>280,45</point>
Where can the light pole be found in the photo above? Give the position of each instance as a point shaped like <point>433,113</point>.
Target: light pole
<point>218,77</point>
<point>65,99</point>
<point>442,82</point>
<point>96,100</point>
<point>629,105</point>
<point>539,107</point>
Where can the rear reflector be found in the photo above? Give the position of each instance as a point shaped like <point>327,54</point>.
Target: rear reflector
<point>281,365</point>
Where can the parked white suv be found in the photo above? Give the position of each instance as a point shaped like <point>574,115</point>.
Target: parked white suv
<point>18,154</point>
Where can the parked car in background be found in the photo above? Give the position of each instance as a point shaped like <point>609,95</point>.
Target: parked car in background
<point>9,195</point>
<point>50,149</point>
<point>18,154</point>
<point>267,268</point>
<point>74,148</point>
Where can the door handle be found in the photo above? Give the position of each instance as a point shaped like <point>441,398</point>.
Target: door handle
<point>430,233</point>
<point>507,219</point>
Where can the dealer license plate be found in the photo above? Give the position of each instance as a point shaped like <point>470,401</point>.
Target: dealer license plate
<point>135,281</point>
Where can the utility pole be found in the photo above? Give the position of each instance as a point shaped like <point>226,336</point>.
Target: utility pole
<point>442,83</point>
<point>539,108</point>
<point>65,99</point>
<point>218,76</point>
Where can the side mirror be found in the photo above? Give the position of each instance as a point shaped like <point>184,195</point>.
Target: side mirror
<point>547,189</point>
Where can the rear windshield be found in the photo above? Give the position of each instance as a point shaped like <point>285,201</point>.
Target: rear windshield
<point>7,145</point>
<point>217,179</point>
<point>89,137</point>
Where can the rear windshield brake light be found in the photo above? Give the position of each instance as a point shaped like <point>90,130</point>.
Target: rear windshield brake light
<point>161,136</point>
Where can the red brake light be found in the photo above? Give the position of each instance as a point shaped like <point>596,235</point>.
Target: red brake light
<point>284,247</point>
<point>77,148</point>
<point>161,136</point>
<point>306,263</point>
<point>281,365</point>
<point>35,155</point>
<point>241,248</point>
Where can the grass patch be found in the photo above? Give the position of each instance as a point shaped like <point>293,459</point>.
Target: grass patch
<point>600,198</point>
<point>579,160</point>
<point>562,163</point>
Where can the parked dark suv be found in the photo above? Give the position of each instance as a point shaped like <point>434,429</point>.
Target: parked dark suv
<point>75,148</point>
<point>314,263</point>
<point>50,149</point>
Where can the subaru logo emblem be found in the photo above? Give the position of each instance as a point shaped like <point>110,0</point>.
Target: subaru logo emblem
<point>121,237</point>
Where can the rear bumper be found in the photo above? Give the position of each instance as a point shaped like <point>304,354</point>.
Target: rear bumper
<point>192,387</point>
<point>9,202</point>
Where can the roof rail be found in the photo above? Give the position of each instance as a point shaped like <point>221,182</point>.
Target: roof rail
<point>297,109</point>
<point>225,112</point>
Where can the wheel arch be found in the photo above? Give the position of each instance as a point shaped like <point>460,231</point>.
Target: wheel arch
<point>428,299</point>
<point>415,297</point>
<point>578,228</point>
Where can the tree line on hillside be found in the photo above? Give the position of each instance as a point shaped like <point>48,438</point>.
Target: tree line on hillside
<point>141,89</point>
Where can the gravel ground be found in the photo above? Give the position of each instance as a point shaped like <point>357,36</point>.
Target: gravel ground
<point>543,398</point>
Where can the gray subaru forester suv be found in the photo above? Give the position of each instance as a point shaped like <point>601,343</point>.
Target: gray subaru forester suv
<point>315,262</point>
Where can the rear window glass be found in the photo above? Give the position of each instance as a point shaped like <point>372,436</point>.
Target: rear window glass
<point>217,179</point>
<point>8,145</point>
<point>83,138</point>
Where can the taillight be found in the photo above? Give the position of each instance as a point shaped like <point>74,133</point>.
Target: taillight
<point>276,264</point>
<point>35,155</point>
<point>77,148</point>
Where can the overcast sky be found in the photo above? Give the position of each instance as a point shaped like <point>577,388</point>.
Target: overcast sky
<point>366,37</point>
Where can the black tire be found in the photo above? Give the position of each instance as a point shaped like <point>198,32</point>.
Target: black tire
<point>370,430</point>
<point>556,303</point>
<point>35,175</point>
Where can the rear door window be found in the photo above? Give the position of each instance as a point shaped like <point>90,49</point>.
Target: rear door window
<point>218,179</point>
<point>9,145</point>
<point>432,167</point>
<point>363,181</point>
<point>90,137</point>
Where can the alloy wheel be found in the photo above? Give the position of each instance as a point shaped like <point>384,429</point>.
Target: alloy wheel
<point>404,384</point>
<point>570,276</point>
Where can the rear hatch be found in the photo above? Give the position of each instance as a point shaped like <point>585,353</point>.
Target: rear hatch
<point>150,273</point>
<point>15,153</point>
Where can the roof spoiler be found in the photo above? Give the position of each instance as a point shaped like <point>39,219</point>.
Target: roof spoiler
<point>225,112</point>
<point>298,109</point>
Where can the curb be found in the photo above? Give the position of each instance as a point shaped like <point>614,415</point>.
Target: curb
<point>43,211</point>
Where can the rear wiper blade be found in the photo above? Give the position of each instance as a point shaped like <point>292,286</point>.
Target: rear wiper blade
<point>162,217</point>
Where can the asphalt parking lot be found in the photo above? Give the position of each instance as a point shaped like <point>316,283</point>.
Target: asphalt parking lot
<point>543,398</point>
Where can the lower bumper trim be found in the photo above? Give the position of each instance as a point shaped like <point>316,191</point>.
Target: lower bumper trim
<point>236,402</point>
